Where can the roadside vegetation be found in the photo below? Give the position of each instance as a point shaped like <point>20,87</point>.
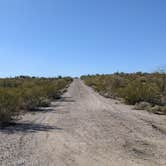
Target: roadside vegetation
<point>28,93</point>
<point>144,90</point>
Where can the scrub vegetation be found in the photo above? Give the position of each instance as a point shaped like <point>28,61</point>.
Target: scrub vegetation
<point>28,93</point>
<point>144,90</point>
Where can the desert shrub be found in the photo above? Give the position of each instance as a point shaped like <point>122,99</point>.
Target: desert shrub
<point>137,92</point>
<point>9,105</point>
<point>158,109</point>
<point>39,92</point>
<point>163,109</point>
<point>52,92</point>
<point>133,87</point>
<point>32,98</point>
<point>28,93</point>
<point>54,89</point>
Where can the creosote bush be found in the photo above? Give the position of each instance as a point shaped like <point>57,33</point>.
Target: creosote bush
<point>137,91</point>
<point>133,88</point>
<point>34,97</point>
<point>9,105</point>
<point>28,93</point>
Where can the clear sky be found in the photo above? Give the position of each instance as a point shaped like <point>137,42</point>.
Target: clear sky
<point>75,37</point>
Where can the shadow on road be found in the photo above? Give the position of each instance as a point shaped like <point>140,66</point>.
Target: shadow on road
<point>42,110</point>
<point>66,99</point>
<point>12,128</point>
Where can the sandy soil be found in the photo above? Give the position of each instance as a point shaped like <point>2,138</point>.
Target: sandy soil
<point>85,129</point>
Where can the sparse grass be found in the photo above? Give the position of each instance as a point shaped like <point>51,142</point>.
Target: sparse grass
<point>28,93</point>
<point>133,88</point>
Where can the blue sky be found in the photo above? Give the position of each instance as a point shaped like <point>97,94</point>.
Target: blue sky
<point>75,37</point>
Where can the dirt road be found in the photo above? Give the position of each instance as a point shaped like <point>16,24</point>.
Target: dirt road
<point>85,129</point>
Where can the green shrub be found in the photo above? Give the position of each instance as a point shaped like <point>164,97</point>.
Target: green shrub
<point>136,92</point>
<point>52,91</point>
<point>133,87</point>
<point>9,105</point>
<point>28,93</point>
<point>34,97</point>
<point>158,109</point>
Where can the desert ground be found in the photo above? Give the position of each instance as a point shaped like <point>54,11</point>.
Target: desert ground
<point>85,129</point>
